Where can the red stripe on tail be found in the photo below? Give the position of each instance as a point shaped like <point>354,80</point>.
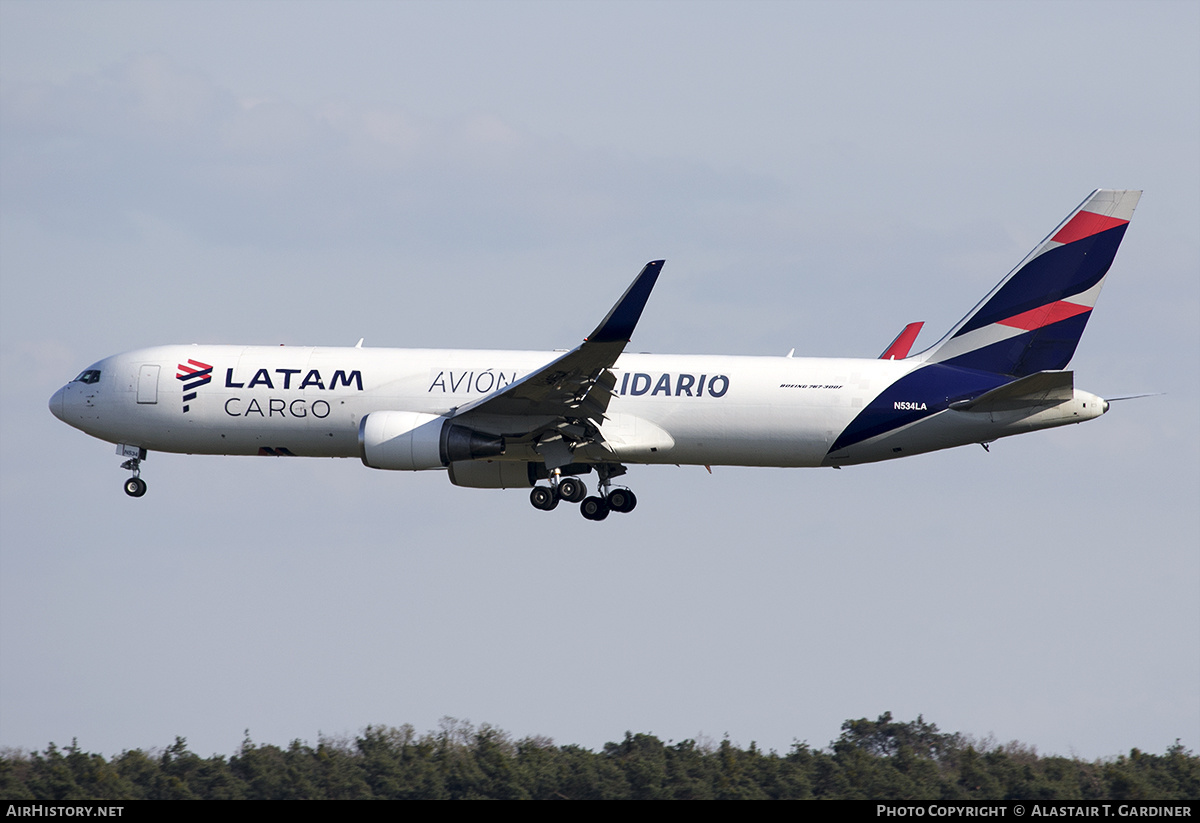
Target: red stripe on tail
<point>1085,224</point>
<point>1044,315</point>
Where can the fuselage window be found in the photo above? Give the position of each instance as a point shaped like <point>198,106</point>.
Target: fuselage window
<point>89,376</point>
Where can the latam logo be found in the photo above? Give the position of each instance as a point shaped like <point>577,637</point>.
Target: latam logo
<point>262,377</point>
<point>194,374</point>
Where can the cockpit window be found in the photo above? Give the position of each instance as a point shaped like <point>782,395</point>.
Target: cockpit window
<point>89,376</point>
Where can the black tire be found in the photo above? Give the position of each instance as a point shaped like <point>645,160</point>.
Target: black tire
<point>135,487</point>
<point>571,489</point>
<point>594,508</point>
<point>622,500</point>
<point>543,497</point>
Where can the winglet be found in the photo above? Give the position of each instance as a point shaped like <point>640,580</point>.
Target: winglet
<point>903,343</point>
<point>618,324</point>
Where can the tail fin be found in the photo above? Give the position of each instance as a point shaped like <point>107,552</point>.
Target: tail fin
<point>1033,319</point>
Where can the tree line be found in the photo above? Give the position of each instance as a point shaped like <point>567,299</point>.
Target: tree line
<point>880,759</point>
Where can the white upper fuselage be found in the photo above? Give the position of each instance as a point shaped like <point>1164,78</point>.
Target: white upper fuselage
<point>683,409</point>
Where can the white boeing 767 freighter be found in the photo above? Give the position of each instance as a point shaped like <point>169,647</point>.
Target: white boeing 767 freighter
<point>544,420</point>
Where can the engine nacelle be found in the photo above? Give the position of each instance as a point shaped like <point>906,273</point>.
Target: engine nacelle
<point>415,441</point>
<point>493,474</point>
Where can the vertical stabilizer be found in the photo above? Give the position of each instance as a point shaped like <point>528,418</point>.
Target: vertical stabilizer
<point>1033,319</point>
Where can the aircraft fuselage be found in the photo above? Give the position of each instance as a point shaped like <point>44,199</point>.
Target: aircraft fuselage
<point>679,409</point>
<point>504,419</point>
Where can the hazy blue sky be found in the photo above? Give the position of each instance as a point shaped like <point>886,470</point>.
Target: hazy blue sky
<point>493,175</point>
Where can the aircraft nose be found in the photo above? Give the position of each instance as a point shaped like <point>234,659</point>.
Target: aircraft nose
<point>56,403</point>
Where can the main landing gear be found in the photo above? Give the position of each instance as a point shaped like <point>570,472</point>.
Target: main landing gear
<point>572,490</point>
<point>134,486</point>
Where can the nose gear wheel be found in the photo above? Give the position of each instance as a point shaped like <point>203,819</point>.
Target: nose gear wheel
<point>135,486</point>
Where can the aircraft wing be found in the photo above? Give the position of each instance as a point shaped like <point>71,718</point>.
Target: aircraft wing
<point>576,388</point>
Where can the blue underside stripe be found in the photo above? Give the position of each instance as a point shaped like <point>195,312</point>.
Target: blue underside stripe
<point>935,386</point>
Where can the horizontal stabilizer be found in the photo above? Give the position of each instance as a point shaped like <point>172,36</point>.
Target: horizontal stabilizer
<point>1044,388</point>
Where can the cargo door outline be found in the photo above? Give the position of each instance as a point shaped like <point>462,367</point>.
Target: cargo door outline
<point>147,391</point>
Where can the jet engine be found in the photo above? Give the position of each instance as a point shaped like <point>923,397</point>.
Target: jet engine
<point>414,441</point>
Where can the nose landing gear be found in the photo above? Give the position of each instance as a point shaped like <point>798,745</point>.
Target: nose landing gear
<point>134,486</point>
